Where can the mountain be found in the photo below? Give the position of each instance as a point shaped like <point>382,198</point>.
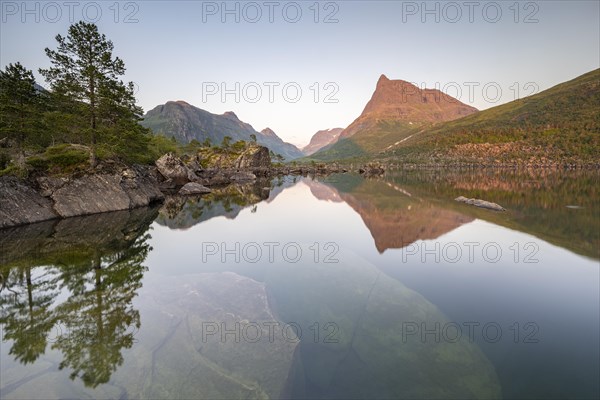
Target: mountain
<point>185,123</point>
<point>321,139</point>
<point>558,125</point>
<point>399,100</point>
<point>397,110</point>
<point>272,141</point>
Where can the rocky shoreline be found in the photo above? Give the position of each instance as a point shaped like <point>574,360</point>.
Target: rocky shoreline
<point>112,186</point>
<point>46,197</point>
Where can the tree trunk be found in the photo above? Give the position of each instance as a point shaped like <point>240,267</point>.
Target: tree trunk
<point>20,159</point>
<point>93,160</point>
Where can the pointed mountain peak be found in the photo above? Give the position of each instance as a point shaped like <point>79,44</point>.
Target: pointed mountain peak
<point>403,100</point>
<point>398,100</point>
<point>268,132</point>
<point>382,80</point>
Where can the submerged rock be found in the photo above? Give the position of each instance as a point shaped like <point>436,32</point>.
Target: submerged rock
<point>213,336</point>
<point>480,203</point>
<point>372,344</point>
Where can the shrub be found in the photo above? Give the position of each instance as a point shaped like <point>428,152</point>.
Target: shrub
<point>239,146</point>
<point>66,156</point>
<point>38,162</point>
<point>62,158</point>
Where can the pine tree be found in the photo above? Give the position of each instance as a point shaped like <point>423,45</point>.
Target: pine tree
<point>19,101</point>
<point>84,70</point>
<point>226,142</point>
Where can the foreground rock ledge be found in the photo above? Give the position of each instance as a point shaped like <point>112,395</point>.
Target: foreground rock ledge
<point>26,202</point>
<point>21,204</point>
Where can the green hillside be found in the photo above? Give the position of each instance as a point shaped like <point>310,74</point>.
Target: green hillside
<point>373,139</point>
<point>561,124</point>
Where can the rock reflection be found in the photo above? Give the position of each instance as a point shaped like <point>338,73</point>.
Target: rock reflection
<point>184,212</point>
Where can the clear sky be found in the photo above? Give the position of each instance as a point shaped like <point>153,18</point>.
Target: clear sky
<point>298,67</point>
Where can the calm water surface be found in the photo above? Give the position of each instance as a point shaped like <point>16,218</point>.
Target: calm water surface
<point>335,287</point>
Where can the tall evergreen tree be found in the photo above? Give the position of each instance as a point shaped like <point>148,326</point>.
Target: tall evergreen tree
<point>19,100</point>
<point>84,69</point>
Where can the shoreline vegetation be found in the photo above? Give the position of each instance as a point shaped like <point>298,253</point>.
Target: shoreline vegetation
<point>78,148</point>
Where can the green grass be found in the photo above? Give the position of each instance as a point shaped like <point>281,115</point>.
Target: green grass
<point>59,159</point>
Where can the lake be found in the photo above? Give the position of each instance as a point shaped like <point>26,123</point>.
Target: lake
<point>314,287</point>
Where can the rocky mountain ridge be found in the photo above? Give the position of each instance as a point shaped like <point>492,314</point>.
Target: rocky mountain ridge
<point>186,122</point>
<point>322,139</point>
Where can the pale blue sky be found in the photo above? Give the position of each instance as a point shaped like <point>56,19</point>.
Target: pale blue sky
<point>180,50</point>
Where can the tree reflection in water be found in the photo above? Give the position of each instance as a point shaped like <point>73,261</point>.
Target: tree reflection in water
<point>72,283</point>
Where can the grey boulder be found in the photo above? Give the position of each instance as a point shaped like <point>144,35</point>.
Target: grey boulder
<point>193,188</point>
